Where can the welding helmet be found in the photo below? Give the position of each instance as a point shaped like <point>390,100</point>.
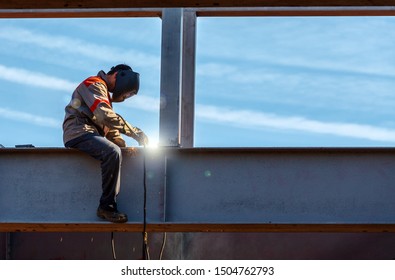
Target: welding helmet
<point>127,84</point>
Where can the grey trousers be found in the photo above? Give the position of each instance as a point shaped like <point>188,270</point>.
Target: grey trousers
<point>110,158</point>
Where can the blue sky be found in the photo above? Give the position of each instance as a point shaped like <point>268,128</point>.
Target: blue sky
<point>260,81</point>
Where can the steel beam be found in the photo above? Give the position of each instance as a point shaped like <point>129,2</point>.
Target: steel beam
<point>308,10</point>
<point>170,85</point>
<point>188,78</point>
<point>177,100</point>
<point>73,4</point>
<point>81,13</point>
<point>201,12</point>
<point>275,190</point>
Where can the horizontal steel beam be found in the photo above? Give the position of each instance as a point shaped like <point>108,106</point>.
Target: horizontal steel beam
<point>200,12</point>
<point>296,11</point>
<point>195,227</point>
<point>261,190</point>
<point>70,4</point>
<point>82,13</point>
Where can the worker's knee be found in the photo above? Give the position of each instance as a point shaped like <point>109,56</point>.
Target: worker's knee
<point>113,153</point>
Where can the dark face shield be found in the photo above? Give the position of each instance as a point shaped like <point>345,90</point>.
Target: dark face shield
<point>127,84</point>
<point>128,94</point>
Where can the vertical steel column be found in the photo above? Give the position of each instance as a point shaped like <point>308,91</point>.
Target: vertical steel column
<point>188,78</point>
<point>169,123</point>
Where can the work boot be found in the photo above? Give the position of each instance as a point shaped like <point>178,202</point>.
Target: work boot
<point>110,213</point>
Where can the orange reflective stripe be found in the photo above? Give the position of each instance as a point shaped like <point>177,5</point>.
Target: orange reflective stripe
<point>97,102</point>
<point>94,79</point>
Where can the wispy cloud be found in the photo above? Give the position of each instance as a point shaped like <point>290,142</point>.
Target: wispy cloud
<point>309,44</point>
<point>29,118</point>
<point>80,47</point>
<point>260,120</point>
<point>215,70</point>
<point>145,103</point>
<point>225,116</point>
<point>26,77</point>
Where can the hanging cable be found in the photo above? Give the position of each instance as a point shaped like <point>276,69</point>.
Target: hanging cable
<point>146,255</point>
<point>114,256</point>
<point>145,247</point>
<point>162,248</point>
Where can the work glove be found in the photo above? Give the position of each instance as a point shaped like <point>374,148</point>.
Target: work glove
<point>136,133</point>
<point>142,139</point>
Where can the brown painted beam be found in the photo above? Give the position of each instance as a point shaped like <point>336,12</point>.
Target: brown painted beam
<point>88,4</point>
<point>298,11</point>
<point>81,13</point>
<point>200,12</point>
<point>133,227</point>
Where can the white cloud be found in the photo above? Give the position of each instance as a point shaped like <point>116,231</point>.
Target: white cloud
<point>215,70</point>
<point>29,118</point>
<point>315,44</point>
<point>260,120</point>
<point>241,118</point>
<point>145,103</point>
<point>257,120</point>
<point>26,77</point>
<point>83,48</point>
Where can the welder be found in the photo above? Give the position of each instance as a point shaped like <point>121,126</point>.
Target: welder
<point>92,126</point>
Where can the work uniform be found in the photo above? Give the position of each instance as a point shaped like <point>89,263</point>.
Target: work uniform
<point>91,125</point>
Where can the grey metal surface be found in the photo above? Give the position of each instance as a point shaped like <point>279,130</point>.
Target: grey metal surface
<point>188,79</point>
<point>282,246</point>
<point>38,187</point>
<point>61,185</point>
<point>220,186</point>
<point>170,89</point>
<point>177,100</point>
<point>93,246</point>
<point>198,246</point>
<point>307,186</point>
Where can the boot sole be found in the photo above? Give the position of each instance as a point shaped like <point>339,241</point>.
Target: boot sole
<point>112,219</point>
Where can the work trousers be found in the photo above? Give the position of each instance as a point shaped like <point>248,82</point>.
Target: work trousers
<point>110,158</point>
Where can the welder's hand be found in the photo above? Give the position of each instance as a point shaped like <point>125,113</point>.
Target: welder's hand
<point>136,133</point>
<point>142,139</point>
